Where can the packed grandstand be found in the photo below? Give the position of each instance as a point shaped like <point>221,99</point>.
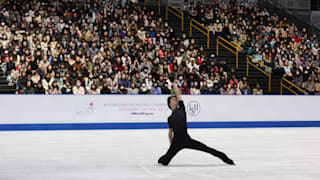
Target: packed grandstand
<point>124,47</point>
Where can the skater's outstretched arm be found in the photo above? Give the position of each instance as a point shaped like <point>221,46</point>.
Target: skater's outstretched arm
<point>170,134</point>
<point>177,91</point>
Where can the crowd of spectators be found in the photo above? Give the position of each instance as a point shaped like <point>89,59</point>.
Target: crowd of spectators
<point>272,40</point>
<point>104,47</point>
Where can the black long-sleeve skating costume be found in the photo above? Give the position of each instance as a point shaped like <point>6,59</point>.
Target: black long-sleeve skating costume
<point>181,139</point>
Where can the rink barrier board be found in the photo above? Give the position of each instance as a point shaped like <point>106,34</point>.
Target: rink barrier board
<point>155,125</point>
<point>56,109</point>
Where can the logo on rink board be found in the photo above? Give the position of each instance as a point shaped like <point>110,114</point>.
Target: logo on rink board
<point>193,108</point>
<point>85,108</point>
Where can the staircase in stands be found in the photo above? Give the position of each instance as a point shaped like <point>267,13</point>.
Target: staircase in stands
<point>4,87</point>
<point>254,75</point>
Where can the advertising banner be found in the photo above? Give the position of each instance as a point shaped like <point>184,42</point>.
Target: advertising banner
<point>24,109</point>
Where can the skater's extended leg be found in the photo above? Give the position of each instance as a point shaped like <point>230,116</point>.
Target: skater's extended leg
<point>172,151</point>
<point>196,145</point>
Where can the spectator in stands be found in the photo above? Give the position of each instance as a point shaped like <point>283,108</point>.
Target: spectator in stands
<point>234,90</point>
<point>39,89</point>
<point>28,89</point>
<point>94,89</point>
<point>78,89</point>
<point>223,79</point>
<point>124,81</point>
<point>257,90</point>
<point>137,80</point>
<point>246,90</point>
<point>226,34</point>
<point>287,70</point>
<point>309,86</point>
<point>185,89</point>
<point>3,67</point>
<point>132,89</point>
<point>46,83</point>
<point>112,81</point>
<point>149,82</point>
<point>165,89</point>
<point>244,80</point>
<point>35,78</point>
<point>143,89</point>
<point>233,80</point>
<point>195,89</point>
<point>215,89</point>
<point>89,81</point>
<point>11,65</point>
<point>217,28</point>
<point>55,89</point>
<point>98,82</point>
<point>105,89</point>
<point>224,89</point>
<point>58,79</point>
<point>67,88</point>
<point>156,89</point>
<point>22,81</point>
<point>12,77</point>
<point>298,77</point>
<point>204,88</point>
<point>317,85</point>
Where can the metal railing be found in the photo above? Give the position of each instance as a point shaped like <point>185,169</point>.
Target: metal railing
<point>177,12</point>
<point>159,7</point>
<point>195,24</point>
<point>221,41</point>
<point>249,62</point>
<point>283,85</point>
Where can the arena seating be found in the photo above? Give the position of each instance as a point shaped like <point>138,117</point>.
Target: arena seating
<point>118,48</point>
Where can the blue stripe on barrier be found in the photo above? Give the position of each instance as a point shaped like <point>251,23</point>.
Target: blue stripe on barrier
<point>155,125</point>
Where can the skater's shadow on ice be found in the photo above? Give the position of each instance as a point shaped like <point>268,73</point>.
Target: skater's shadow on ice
<point>197,165</point>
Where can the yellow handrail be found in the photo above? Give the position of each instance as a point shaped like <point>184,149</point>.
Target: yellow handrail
<point>230,43</point>
<point>282,85</point>
<point>259,69</point>
<point>204,27</point>
<point>169,8</point>
<point>232,51</point>
<point>291,84</point>
<point>260,62</point>
<point>159,6</point>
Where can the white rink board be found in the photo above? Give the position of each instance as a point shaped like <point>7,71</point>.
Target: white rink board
<point>24,109</point>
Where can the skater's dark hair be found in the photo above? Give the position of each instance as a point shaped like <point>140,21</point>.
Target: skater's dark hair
<point>168,100</point>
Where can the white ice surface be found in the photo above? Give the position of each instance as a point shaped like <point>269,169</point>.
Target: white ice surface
<point>260,154</point>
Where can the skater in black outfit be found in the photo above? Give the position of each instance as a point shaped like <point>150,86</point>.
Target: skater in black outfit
<point>178,129</point>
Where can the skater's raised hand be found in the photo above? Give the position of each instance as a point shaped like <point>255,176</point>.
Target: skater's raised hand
<point>176,90</point>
